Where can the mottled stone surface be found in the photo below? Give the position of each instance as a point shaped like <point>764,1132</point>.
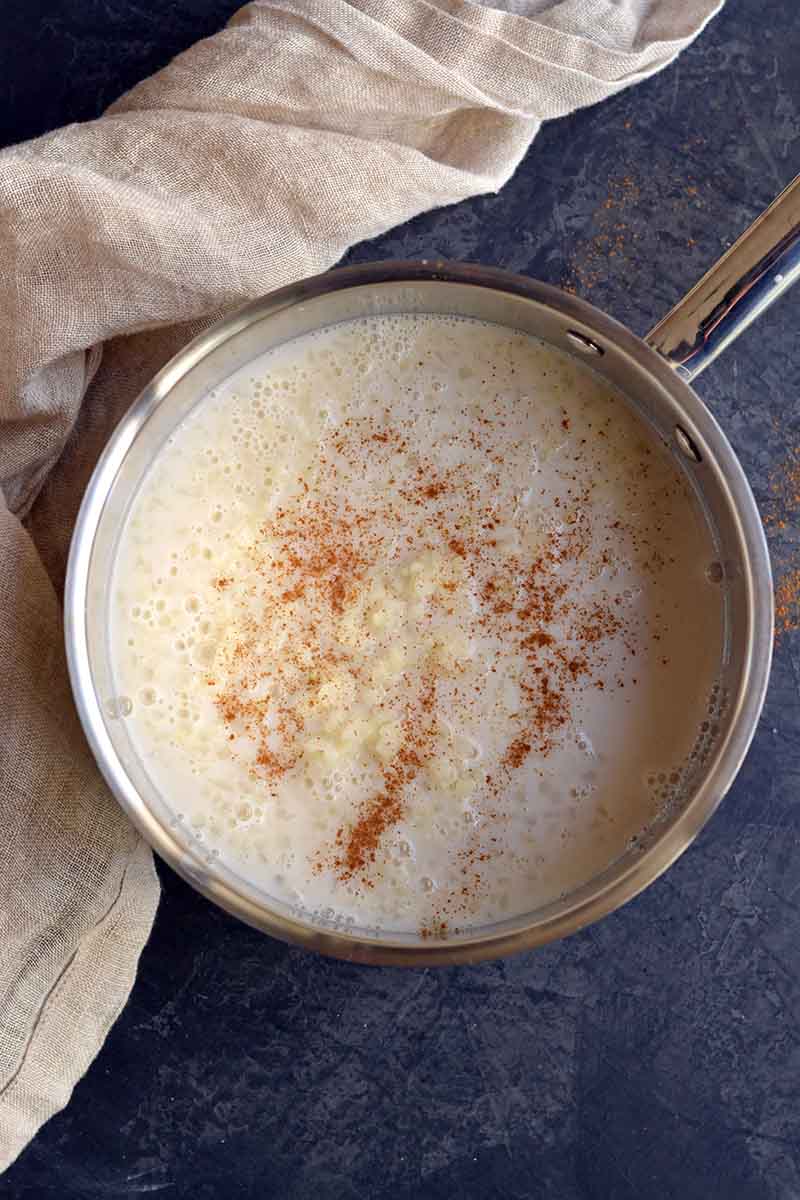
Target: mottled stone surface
<point>655,1055</point>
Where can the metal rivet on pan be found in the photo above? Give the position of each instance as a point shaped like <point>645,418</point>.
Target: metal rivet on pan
<point>584,344</point>
<point>687,446</point>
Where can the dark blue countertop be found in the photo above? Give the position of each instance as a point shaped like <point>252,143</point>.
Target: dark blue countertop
<point>655,1055</point>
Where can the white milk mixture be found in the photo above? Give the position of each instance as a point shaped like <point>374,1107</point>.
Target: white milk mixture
<point>415,626</point>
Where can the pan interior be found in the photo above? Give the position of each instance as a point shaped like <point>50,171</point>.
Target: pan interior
<point>157,419</point>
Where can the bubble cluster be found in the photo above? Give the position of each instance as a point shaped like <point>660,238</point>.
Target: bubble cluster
<point>672,786</point>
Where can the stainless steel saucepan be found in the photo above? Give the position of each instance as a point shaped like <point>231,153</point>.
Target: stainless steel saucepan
<point>653,374</point>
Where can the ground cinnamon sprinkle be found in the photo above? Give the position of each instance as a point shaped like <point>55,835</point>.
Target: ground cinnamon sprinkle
<point>432,491</point>
<point>315,559</point>
<point>782,522</point>
<point>612,244</point>
<point>787,602</point>
<point>589,262</point>
<point>323,559</point>
<point>562,641</point>
<point>357,846</point>
<point>517,752</point>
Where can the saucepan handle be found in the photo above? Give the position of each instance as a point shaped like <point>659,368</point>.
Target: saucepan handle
<point>758,268</point>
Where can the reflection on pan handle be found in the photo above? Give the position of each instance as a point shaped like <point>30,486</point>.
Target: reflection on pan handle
<point>758,268</point>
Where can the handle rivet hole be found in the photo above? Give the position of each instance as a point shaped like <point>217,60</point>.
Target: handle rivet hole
<point>583,343</point>
<point>687,446</point>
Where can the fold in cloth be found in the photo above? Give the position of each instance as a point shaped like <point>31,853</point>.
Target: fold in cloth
<point>254,159</point>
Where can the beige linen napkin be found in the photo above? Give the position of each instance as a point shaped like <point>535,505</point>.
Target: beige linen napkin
<point>254,159</point>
